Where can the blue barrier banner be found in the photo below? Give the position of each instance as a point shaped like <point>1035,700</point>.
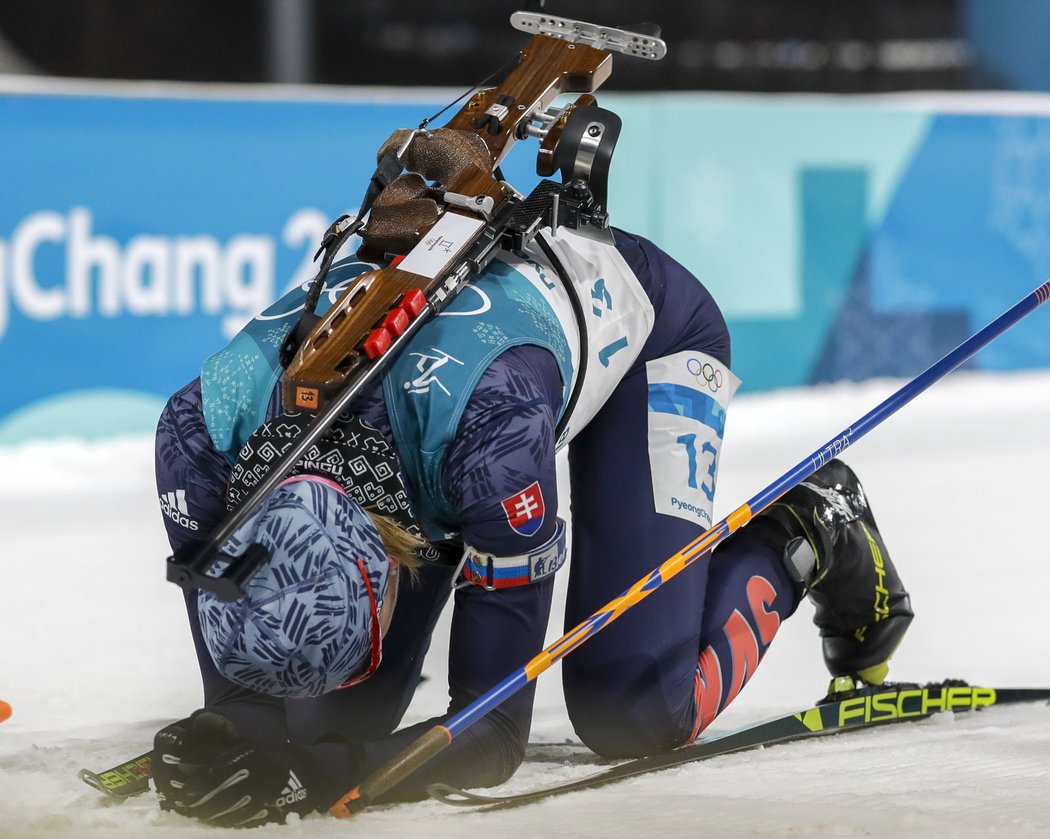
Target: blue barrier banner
<point>138,234</point>
<point>141,226</point>
<point>847,237</point>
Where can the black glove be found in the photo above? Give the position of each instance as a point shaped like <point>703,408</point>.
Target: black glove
<point>203,769</point>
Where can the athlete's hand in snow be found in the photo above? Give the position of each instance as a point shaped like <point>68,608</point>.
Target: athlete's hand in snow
<point>203,769</point>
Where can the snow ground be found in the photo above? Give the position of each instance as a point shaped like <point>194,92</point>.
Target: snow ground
<point>95,656</point>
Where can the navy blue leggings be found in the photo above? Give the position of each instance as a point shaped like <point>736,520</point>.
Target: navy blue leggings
<point>654,678</point>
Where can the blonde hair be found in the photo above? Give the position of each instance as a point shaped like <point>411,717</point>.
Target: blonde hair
<point>401,546</point>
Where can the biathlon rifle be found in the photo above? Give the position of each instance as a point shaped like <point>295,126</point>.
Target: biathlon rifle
<point>436,212</point>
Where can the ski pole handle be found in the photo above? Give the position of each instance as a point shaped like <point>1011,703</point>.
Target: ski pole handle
<point>392,772</point>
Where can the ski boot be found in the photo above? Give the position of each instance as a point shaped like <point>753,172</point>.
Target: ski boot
<point>834,553</point>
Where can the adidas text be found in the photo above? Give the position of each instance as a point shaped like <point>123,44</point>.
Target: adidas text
<point>173,505</point>
<point>292,797</point>
<point>293,791</point>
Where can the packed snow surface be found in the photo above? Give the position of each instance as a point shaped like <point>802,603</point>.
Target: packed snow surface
<point>96,654</point>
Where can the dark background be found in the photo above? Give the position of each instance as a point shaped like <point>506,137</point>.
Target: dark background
<point>732,45</point>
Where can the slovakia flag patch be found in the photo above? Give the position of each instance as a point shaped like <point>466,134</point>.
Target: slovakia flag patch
<point>525,510</point>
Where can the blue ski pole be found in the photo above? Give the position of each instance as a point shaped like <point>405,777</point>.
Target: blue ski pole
<point>437,738</point>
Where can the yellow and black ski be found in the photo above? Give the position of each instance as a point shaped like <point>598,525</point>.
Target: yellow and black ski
<point>843,711</point>
<point>849,710</point>
<point>122,781</point>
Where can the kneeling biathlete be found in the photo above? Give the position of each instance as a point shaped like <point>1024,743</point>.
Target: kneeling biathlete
<point>442,484</point>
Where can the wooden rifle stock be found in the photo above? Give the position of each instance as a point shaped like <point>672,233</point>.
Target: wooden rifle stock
<point>360,327</point>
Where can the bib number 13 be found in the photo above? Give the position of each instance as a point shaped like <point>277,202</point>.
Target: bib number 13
<point>708,455</point>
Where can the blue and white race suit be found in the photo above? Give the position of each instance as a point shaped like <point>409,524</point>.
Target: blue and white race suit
<point>472,405</point>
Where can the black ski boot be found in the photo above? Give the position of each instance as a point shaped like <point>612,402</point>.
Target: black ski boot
<point>835,554</point>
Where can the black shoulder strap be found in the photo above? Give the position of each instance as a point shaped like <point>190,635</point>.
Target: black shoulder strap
<point>581,327</point>
<point>334,238</point>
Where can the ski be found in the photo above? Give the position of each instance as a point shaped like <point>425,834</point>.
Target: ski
<point>841,712</point>
<point>131,778</point>
<point>849,711</point>
<point>122,781</point>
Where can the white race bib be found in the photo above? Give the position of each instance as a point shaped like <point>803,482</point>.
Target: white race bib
<point>617,313</point>
<point>689,394</point>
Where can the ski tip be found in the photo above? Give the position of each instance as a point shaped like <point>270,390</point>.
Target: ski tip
<point>5,710</point>
<point>91,779</point>
<point>110,796</point>
<point>122,781</point>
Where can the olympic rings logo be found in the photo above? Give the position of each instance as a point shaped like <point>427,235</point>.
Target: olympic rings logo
<point>707,375</point>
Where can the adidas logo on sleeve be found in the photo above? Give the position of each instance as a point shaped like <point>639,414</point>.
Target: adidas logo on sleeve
<point>174,506</point>
<point>293,791</point>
